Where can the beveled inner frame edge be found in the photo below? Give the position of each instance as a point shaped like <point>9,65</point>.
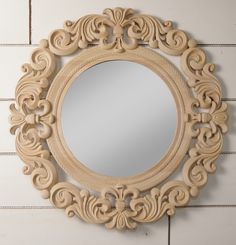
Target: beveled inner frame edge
<point>179,145</point>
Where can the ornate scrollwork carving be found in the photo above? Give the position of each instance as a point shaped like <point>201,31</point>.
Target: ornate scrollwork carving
<point>202,159</point>
<point>32,117</point>
<point>211,123</point>
<point>127,29</point>
<point>201,79</point>
<point>120,206</point>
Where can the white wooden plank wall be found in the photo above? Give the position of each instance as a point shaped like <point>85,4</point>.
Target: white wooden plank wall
<point>25,218</point>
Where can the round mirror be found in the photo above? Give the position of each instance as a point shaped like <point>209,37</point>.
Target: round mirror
<point>119,118</point>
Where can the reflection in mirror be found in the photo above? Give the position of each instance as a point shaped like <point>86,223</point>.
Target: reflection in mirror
<point>118,118</point>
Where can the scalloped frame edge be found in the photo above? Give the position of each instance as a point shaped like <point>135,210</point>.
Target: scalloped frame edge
<point>32,119</point>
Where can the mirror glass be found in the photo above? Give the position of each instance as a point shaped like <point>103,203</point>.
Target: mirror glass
<point>119,118</point>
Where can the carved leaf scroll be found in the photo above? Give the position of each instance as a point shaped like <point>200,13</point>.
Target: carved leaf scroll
<point>126,28</point>
<point>120,207</point>
<point>211,124</point>
<point>32,117</point>
<point>111,207</point>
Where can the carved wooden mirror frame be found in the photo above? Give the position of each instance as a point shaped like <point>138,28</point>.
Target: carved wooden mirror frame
<point>119,34</point>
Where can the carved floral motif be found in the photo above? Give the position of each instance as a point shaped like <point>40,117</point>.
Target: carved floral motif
<point>120,206</point>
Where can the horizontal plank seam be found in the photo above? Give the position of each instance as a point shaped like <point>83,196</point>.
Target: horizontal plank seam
<point>7,99</point>
<point>7,153</point>
<point>228,152</point>
<point>52,207</point>
<point>210,206</point>
<point>14,153</point>
<point>17,45</point>
<point>13,99</point>
<point>27,207</point>
<point>200,44</point>
<point>217,45</point>
<point>228,99</point>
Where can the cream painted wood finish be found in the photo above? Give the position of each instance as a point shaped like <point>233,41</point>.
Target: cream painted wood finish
<point>14,22</point>
<point>215,30</point>
<point>40,92</point>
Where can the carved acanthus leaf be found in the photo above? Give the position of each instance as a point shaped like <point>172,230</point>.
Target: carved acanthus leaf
<point>118,29</point>
<point>201,78</point>
<point>120,207</point>
<point>202,159</point>
<point>31,119</point>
